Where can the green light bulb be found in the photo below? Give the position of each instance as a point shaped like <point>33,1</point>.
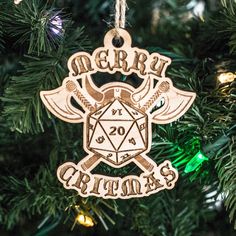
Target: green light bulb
<point>197,160</point>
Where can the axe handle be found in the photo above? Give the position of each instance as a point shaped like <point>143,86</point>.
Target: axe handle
<point>71,86</point>
<point>83,100</point>
<point>151,101</point>
<point>142,161</point>
<point>92,160</point>
<point>162,88</point>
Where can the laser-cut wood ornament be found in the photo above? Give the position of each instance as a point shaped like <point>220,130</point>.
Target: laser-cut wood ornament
<point>117,118</point>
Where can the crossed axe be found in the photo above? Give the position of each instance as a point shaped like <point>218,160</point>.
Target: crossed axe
<point>176,103</point>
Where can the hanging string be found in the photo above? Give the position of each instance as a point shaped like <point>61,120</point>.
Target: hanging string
<point>120,10</point>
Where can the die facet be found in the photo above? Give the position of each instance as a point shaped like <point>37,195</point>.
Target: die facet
<point>117,131</point>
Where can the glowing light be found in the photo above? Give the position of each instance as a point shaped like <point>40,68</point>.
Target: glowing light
<point>195,162</point>
<point>226,77</point>
<point>56,25</point>
<point>84,220</point>
<point>197,7</point>
<point>17,1</point>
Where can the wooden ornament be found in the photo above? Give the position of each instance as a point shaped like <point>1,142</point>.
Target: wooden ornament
<point>117,118</point>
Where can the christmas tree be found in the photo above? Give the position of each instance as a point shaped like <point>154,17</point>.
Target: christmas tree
<point>37,37</point>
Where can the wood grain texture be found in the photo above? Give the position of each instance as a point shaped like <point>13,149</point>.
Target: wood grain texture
<point>117,117</point>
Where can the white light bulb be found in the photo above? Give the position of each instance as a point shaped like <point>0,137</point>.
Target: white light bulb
<point>57,25</point>
<point>17,1</point>
<point>198,10</point>
<point>226,77</point>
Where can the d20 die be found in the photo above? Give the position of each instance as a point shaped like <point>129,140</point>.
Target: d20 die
<point>117,131</point>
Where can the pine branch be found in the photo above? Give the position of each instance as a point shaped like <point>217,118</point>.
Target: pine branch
<point>176,212</point>
<point>226,165</point>
<point>23,108</point>
<point>1,38</point>
<point>35,24</point>
<point>42,194</point>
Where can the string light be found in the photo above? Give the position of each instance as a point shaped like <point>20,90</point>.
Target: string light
<point>226,77</point>
<point>197,8</point>
<point>195,162</point>
<point>56,25</point>
<point>84,220</point>
<point>83,217</point>
<point>17,1</point>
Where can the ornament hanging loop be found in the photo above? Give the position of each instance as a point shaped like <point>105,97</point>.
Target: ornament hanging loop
<point>120,10</point>
<point>124,36</point>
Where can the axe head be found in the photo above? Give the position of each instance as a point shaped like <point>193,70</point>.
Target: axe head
<point>177,102</point>
<point>58,102</point>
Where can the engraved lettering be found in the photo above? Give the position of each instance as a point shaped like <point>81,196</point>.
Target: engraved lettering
<point>66,173</point>
<point>96,185</point>
<point>81,64</point>
<point>91,126</point>
<point>87,183</point>
<point>158,66</point>
<point>111,186</point>
<point>142,126</point>
<point>120,60</point>
<point>139,62</point>
<point>100,139</point>
<point>117,130</point>
<point>82,181</point>
<point>132,140</point>
<point>99,59</point>
<point>131,187</point>
<point>114,111</point>
<point>166,172</point>
<point>125,156</point>
<point>152,183</point>
<point>135,113</point>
